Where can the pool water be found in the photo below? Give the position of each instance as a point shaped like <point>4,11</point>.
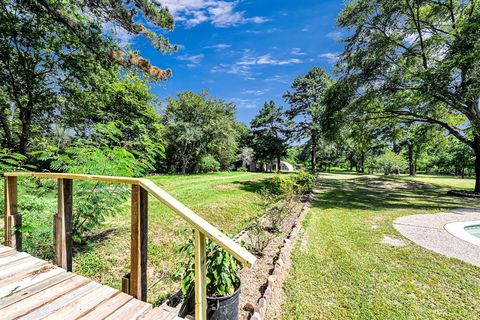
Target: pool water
<point>473,230</point>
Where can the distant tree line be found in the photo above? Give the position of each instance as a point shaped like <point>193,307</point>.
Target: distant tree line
<point>403,97</point>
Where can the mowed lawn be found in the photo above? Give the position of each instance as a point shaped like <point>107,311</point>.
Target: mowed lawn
<point>227,200</point>
<point>342,270</point>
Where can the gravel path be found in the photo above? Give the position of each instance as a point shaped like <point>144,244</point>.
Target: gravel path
<point>427,230</point>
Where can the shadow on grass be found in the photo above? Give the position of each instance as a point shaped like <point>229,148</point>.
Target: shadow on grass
<point>252,185</point>
<point>91,240</point>
<point>385,192</point>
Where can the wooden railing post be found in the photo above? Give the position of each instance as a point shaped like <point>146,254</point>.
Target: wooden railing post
<point>200,276</point>
<point>138,246</point>
<point>13,220</point>
<point>63,225</point>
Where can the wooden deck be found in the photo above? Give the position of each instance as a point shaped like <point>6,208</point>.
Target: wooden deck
<point>34,289</point>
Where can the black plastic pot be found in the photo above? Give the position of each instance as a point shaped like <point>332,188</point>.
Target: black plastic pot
<point>218,308</point>
<point>223,308</point>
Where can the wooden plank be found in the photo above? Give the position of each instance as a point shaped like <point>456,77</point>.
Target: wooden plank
<point>107,307</point>
<point>133,309</point>
<point>83,305</point>
<point>20,273</point>
<point>240,253</point>
<point>12,220</point>
<point>54,305</point>
<point>32,303</point>
<point>4,249</point>
<point>63,225</point>
<point>27,292</point>
<point>200,276</point>
<point>138,246</point>
<point>161,313</point>
<point>21,266</point>
<point>5,260</point>
<point>29,280</point>
<point>51,175</point>
<point>7,253</point>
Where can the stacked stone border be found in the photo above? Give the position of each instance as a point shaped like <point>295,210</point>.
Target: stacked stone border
<point>276,278</point>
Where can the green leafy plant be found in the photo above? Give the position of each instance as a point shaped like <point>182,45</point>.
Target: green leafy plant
<point>12,161</point>
<point>208,164</point>
<point>222,279</point>
<point>102,153</point>
<point>305,182</point>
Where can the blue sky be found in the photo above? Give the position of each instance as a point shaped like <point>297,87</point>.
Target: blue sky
<point>246,52</point>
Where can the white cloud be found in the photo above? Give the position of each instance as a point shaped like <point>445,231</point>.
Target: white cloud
<point>266,59</point>
<point>334,35</point>
<point>219,13</point>
<point>277,78</point>
<point>259,92</point>
<point>193,60</point>
<point>305,30</point>
<point>245,103</point>
<point>331,57</point>
<point>123,37</point>
<point>297,52</point>
<point>235,69</point>
<point>219,46</point>
<point>243,67</point>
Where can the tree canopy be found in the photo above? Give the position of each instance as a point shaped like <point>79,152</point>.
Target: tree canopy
<point>307,106</point>
<point>416,61</point>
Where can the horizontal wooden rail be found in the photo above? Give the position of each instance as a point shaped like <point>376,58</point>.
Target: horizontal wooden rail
<point>123,180</point>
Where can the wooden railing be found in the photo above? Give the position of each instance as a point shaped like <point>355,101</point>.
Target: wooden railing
<point>137,282</point>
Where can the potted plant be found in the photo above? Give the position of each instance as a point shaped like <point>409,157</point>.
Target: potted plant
<point>223,283</point>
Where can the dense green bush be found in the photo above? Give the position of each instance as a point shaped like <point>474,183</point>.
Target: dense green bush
<point>391,162</point>
<point>305,182</point>
<point>291,185</point>
<point>208,164</point>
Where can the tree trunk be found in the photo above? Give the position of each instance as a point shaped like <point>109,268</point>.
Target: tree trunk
<point>411,160</point>
<point>362,163</point>
<point>477,165</point>
<point>278,163</point>
<point>6,129</point>
<point>26,120</point>
<point>314,153</point>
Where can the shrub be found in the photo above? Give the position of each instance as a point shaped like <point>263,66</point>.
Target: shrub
<point>208,164</point>
<point>242,169</point>
<point>103,153</point>
<point>305,182</point>
<point>259,237</point>
<point>282,185</point>
<point>276,214</point>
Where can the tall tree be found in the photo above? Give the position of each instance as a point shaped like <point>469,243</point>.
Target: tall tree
<point>197,126</point>
<point>417,61</point>
<point>270,133</point>
<point>307,107</point>
<point>48,47</point>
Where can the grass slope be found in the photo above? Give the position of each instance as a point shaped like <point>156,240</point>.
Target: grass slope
<point>341,270</point>
<point>227,200</point>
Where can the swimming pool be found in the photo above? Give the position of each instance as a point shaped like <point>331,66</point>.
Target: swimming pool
<point>466,230</point>
<point>473,230</point>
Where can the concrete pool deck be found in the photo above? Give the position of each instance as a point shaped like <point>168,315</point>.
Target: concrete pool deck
<point>427,230</point>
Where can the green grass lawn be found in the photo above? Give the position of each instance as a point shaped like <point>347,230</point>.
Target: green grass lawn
<point>227,200</point>
<point>341,270</point>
